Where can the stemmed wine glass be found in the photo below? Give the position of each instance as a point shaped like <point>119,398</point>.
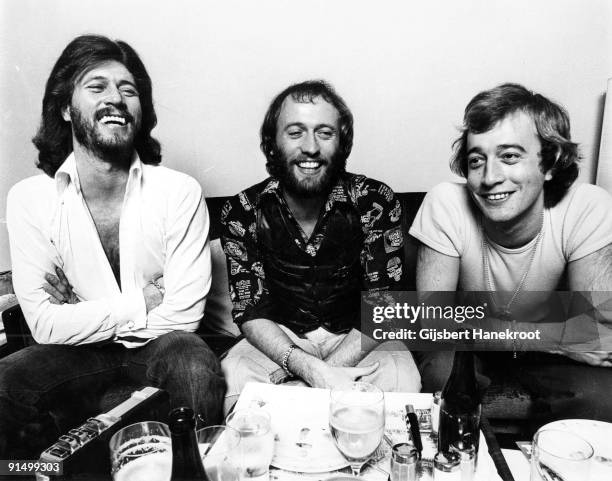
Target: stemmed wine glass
<point>357,421</point>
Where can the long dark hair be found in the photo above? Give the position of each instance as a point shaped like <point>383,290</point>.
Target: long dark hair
<point>559,153</point>
<point>306,92</point>
<point>54,137</point>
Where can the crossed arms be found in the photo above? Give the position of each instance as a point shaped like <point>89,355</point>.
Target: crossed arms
<point>138,311</point>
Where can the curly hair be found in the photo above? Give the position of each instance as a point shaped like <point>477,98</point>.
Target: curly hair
<point>54,137</point>
<point>306,92</point>
<point>559,154</point>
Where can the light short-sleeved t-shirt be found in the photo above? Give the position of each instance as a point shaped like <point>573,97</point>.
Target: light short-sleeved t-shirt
<point>450,223</point>
<point>580,224</point>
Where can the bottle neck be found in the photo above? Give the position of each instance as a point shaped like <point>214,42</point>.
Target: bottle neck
<point>186,459</point>
<point>184,440</point>
<point>461,388</point>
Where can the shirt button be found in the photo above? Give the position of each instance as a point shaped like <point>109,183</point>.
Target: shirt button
<point>130,325</point>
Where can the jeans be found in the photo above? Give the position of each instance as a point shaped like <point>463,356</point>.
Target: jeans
<point>560,387</point>
<point>43,378</point>
<point>245,363</point>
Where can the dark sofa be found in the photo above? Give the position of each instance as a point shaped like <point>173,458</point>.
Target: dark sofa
<point>507,406</point>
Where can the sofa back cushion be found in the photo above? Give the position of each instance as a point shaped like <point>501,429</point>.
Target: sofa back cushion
<point>218,311</point>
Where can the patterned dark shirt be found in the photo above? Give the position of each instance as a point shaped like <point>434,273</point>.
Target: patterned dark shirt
<point>381,254</point>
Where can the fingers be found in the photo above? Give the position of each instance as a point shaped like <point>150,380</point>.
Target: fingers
<point>56,297</point>
<point>58,288</point>
<point>366,370</point>
<point>58,284</point>
<point>62,277</point>
<point>153,296</point>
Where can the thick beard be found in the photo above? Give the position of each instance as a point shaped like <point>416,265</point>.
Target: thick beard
<point>304,189</point>
<point>114,150</point>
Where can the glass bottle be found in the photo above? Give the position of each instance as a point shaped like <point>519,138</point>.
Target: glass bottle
<point>186,459</point>
<point>460,405</point>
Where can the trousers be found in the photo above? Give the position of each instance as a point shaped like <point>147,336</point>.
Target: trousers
<point>560,387</point>
<point>245,363</point>
<point>44,378</point>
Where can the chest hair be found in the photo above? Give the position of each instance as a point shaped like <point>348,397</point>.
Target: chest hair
<point>106,217</point>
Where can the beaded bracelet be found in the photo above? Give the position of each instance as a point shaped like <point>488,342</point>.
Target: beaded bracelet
<point>285,361</point>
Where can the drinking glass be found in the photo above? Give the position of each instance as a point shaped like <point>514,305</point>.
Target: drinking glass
<point>141,452</point>
<point>219,449</point>
<point>256,447</point>
<point>357,421</point>
<point>560,455</point>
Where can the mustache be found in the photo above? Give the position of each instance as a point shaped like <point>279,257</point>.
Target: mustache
<point>118,111</point>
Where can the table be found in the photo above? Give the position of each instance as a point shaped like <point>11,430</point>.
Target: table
<point>297,410</point>
<point>598,433</point>
<point>517,463</point>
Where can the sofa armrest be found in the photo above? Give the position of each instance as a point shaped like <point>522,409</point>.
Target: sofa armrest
<point>18,334</point>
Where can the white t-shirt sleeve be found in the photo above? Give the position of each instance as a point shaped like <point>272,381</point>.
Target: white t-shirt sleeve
<point>440,222</point>
<point>587,222</point>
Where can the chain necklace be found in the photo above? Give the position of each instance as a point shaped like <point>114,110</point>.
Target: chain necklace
<point>504,312</point>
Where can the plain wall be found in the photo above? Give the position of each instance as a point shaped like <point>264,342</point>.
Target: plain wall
<point>406,68</point>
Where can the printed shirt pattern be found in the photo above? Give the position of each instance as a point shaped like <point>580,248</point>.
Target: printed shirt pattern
<point>381,255</point>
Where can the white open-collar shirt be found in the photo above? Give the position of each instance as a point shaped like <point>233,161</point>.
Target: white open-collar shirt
<point>163,231</point>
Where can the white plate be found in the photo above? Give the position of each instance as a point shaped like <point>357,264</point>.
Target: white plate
<point>306,449</point>
<point>599,434</point>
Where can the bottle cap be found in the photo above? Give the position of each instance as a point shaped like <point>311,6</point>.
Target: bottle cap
<point>404,453</point>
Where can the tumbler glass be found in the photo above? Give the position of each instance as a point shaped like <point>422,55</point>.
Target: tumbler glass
<point>256,442</point>
<point>141,452</point>
<point>558,454</point>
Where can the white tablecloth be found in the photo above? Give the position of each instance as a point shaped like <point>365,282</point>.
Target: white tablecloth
<point>294,410</point>
<point>518,464</point>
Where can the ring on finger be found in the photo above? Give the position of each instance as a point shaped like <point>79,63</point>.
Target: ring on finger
<point>159,287</point>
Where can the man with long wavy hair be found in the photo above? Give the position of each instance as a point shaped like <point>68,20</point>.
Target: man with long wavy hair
<point>301,245</point>
<point>110,253</point>
<point>516,231</point>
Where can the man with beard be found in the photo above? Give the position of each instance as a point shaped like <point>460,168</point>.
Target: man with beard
<point>110,254</point>
<point>301,245</point>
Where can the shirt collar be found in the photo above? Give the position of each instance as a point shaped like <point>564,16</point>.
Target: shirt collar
<point>338,194</point>
<point>67,174</point>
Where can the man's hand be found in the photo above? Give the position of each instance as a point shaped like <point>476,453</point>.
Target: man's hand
<point>329,377</point>
<point>154,293</point>
<point>59,289</point>
<point>352,349</point>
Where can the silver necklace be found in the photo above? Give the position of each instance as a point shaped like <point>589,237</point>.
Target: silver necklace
<point>504,312</point>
